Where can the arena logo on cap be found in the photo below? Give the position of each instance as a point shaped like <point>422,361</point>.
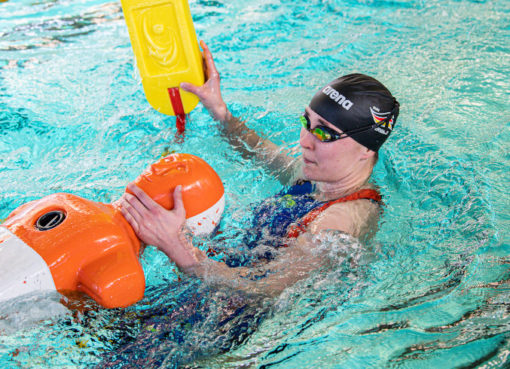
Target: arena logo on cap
<point>337,97</point>
<point>381,119</point>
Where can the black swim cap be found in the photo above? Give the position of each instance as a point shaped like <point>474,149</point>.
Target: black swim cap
<point>360,106</point>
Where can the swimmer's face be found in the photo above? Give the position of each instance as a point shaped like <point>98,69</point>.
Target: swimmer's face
<point>330,161</point>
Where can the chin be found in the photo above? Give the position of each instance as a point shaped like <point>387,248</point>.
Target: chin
<point>310,174</point>
<point>317,176</point>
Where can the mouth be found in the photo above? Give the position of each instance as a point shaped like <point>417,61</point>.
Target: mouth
<point>307,161</point>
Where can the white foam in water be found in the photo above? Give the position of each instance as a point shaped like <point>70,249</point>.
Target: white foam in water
<point>28,311</point>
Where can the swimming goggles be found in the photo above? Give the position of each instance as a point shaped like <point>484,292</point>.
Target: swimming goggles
<point>326,134</point>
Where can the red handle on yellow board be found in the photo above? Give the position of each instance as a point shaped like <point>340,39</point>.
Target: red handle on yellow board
<point>166,51</point>
<point>175,99</point>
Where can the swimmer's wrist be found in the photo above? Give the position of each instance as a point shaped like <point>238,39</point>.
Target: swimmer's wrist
<point>195,269</point>
<point>231,124</point>
<point>179,249</point>
<point>187,263</point>
<point>210,271</point>
<point>221,114</point>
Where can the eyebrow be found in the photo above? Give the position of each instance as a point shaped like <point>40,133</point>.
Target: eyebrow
<point>321,121</point>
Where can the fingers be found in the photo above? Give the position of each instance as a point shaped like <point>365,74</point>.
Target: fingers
<point>140,205</point>
<point>152,223</point>
<point>209,62</point>
<point>178,203</point>
<point>130,213</point>
<point>132,221</point>
<point>133,205</point>
<point>143,198</point>
<point>190,87</point>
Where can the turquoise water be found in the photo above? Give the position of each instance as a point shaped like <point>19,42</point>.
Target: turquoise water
<point>433,293</point>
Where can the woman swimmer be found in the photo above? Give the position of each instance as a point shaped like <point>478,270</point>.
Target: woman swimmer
<point>343,128</point>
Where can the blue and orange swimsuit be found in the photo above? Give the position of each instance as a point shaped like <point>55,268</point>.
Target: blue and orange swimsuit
<point>288,214</point>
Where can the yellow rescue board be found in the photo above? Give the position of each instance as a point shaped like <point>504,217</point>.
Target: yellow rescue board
<point>166,50</point>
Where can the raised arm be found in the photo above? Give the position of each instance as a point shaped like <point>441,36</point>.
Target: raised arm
<point>242,138</point>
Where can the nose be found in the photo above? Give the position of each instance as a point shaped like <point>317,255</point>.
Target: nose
<point>306,140</point>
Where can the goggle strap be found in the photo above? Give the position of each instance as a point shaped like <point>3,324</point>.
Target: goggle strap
<point>359,130</point>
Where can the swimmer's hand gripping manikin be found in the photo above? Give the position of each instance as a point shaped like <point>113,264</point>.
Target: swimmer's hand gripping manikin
<point>166,51</point>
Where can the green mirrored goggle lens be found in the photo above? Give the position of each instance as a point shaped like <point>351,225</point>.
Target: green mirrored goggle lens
<point>322,133</point>
<point>304,122</point>
<point>326,134</point>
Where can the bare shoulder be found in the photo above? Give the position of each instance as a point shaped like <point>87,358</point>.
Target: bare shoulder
<point>357,218</point>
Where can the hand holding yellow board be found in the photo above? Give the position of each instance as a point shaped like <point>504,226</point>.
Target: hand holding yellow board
<point>166,50</point>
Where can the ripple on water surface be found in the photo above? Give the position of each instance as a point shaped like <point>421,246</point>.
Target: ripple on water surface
<point>432,286</point>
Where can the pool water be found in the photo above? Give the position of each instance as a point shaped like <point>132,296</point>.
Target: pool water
<point>433,292</point>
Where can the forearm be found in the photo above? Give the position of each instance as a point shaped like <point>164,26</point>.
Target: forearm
<point>220,275</point>
<point>238,134</point>
<point>248,142</point>
<point>265,279</point>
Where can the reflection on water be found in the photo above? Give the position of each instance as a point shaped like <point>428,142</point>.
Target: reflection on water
<point>57,29</point>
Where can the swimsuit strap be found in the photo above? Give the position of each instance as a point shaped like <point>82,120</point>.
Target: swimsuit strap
<point>297,228</point>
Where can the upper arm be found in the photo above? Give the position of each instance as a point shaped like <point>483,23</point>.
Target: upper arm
<point>356,218</point>
<point>336,218</point>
